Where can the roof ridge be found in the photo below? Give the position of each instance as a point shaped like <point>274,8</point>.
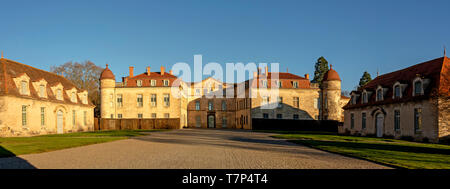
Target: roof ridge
<point>409,67</point>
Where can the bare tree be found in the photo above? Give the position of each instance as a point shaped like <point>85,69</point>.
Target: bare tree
<point>84,75</point>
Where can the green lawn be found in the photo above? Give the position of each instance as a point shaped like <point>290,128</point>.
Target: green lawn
<point>13,146</point>
<point>397,153</point>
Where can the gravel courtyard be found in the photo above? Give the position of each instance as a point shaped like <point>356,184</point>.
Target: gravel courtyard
<point>190,149</point>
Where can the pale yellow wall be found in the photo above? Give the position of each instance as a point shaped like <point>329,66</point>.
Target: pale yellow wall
<point>332,93</point>
<point>11,116</point>
<point>429,120</point>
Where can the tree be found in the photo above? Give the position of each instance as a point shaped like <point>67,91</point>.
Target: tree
<point>321,68</point>
<point>85,76</point>
<point>366,78</point>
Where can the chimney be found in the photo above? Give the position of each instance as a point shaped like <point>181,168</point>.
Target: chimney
<point>307,76</point>
<point>162,70</point>
<point>171,72</point>
<point>287,70</point>
<point>148,70</point>
<point>267,70</point>
<point>131,71</point>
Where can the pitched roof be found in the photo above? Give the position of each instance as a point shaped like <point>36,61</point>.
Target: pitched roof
<point>437,71</point>
<point>331,75</point>
<point>145,78</point>
<point>11,69</point>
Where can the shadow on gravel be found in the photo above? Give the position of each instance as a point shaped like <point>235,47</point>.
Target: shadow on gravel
<point>8,160</point>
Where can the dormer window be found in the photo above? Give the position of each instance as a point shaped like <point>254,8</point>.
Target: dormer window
<point>152,83</point>
<point>24,87</point>
<point>264,83</point>
<point>418,88</point>
<point>85,99</point>
<point>166,83</point>
<point>59,95</point>
<point>42,91</point>
<point>139,83</point>
<point>379,94</point>
<point>295,84</point>
<point>364,97</point>
<point>73,97</point>
<point>397,91</point>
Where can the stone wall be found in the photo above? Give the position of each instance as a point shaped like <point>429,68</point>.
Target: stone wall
<point>444,118</point>
<point>134,124</point>
<point>11,117</point>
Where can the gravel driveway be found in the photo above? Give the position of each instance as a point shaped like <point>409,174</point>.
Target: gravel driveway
<point>190,149</point>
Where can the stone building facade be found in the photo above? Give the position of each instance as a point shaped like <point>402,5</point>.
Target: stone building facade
<point>408,103</point>
<point>36,102</point>
<point>213,104</point>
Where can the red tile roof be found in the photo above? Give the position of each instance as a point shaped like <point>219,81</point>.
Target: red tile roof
<point>437,70</point>
<point>132,81</point>
<point>10,69</point>
<point>285,78</point>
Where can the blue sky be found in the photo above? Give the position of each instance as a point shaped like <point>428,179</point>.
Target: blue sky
<point>354,36</point>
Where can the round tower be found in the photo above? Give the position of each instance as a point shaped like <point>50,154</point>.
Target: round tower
<point>331,92</point>
<point>107,85</point>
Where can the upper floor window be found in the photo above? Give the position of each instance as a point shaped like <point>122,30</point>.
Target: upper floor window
<point>152,82</point>
<point>264,83</point>
<point>42,90</point>
<point>296,102</point>
<point>379,94</point>
<point>153,100</point>
<point>24,87</point>
<point>418,88</point>
<point>210,105</point>
<point>166,100</point>
<point>397,91</point>
<point>279,85</point>
<point>85,99</point>
<point>166,83</point>
<point>197,105</point>
<point>295,84</point>
<point>119,100</point>
<point>266,100</point>
<point>364,97</point>
<point>139,83</point>
<point>224,105</point>
<point>140,100</point>
<point>280,101</point>
<point>198,92</point>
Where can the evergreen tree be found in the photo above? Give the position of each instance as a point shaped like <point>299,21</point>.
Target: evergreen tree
<point>321,68</point>
<point>366,78</point>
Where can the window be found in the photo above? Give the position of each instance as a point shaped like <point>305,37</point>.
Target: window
<point>139,83</point>
<point>166,83</point>
<point>266,100</point>
<point>352,121</point>
<point>42,116</point>
<point>119,100</point>
<point>363,120</point>
<point>297,104</point>
<point>295,84</point>
<point>266,116</point>
<point>279,116</point>
<point>84,118</point>
<point>417,120</point>
<point>140,116</point>
<point>153,115</point>
<point>119,116</point>
<point>112,116</point>
<point>42,91</point>
<point>73,118</point>
<point>417,88</point>
<point>152,83</point>
<point>153,100</point>
<point>280,101</point>
<point>73,97</point>
<point>224,122</point>
<point>166,100</point>
<point>397,120</point>
<point>140,100</point>
<point>296,116</point>
<point>279,84</point>
<point>166,115</point>
<point>24,115</point>
<point>379,94</point>
<point>210,105</point>
<point>224,105</point>
<point>397,92</point>
<point>197,105</point>
<point>198,121</point>
<point>85,98</point>
<point>264,83</point>
<point>197,92</point>
<point>59,95</point>
<point>24,87</point>
<point>364,97</point>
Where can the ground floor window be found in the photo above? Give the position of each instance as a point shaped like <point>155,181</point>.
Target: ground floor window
<point>363,119</point>
<point>198,122</point>
<point>279,116</point>
<point>417,119</point>
<point>73,118</point>
<point>352,120</point>
<point>397,120</point>
<point>119,116</point>
<point>140,116</point>
<point>42,116</point>
<point>85,118</point>
<point>224,121</point>
<point>166,115</point>
<point>295,116</point>
<point>153,115</point>
<point>24,115</point>
<point>266,116</point>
